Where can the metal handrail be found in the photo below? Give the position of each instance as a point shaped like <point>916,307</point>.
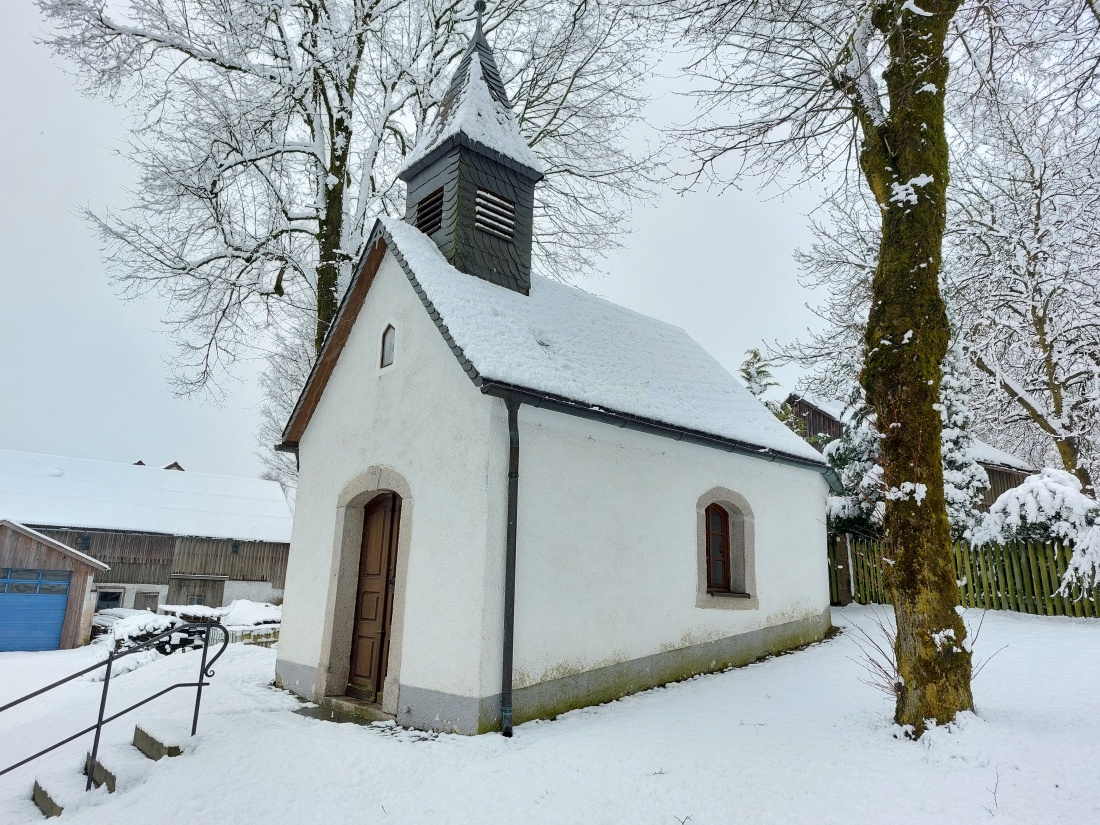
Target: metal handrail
<point>205,671</point>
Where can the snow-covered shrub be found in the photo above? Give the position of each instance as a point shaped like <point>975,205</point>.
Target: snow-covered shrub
<point>1046,507</point>
<point>1084,566</point>
<point>1049,506</point>
<point>964,479</point>
<point>142,627</point>
<point>246,613</point>
<point>756,373</point>
<point>239,613</point>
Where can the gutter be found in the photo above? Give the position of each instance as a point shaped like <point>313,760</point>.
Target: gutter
<point>512,403</point>
<point>646,425</point>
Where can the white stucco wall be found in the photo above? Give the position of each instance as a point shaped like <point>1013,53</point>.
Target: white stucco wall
<point>423,418</point>
<point>607,567</point>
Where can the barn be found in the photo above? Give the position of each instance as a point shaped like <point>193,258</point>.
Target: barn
<point>169,536</point>
<point>45,591</point>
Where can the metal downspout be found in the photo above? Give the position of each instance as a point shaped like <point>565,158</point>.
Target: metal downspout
<point>510,565</point>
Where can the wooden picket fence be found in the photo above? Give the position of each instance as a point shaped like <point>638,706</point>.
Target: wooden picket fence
<point>1020,576</point>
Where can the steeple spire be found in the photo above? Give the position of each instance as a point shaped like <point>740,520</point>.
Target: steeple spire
<point>475,109</point>
<point>471,178</point>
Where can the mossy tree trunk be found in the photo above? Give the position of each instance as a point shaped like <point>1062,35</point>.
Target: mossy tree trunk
<point>905,161</point>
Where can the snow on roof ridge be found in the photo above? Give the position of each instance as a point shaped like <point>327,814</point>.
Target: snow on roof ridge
<point>153,467</point>
<point>565,342</point>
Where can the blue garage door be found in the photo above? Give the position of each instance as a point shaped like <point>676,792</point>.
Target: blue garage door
<point>32,608</point>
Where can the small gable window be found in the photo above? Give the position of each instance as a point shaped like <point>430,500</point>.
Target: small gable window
<point>387,346</point>
<point>718,549</point>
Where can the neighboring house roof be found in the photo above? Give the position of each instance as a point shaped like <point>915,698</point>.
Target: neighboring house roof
<point>75,492</point>
<point>82,558</point>
<point>567,345</point>
<point>476,112</point>
<point>982,452</point>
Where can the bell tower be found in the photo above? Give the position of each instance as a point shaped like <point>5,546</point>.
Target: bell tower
<point>471,178</point>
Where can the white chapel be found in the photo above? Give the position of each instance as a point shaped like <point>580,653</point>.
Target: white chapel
<point>515,498</point>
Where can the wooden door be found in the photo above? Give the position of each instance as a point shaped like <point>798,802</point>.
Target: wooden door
<point>370,643</point>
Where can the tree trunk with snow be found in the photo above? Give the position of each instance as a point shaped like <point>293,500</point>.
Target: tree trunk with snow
<point>904,159</point>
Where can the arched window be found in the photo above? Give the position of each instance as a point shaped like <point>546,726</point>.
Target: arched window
<point>718,549</point>
<point>387,345</point>
<point>726,555</point>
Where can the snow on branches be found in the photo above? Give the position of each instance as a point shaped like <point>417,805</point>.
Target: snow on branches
<point>1049,506</point>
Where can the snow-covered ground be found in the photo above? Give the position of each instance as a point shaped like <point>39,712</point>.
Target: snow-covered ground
<point>795,739</point>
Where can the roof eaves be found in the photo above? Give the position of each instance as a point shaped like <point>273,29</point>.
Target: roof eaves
<point>462,139</point>
<point>289,444</point>
<point>633,422</point>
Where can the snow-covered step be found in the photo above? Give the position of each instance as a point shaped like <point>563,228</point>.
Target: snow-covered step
<point>117,766</point>
<point>156,744</point>
<point>58,790</point>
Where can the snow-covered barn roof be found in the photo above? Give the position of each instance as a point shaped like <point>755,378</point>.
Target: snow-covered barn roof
<point>988,454</point>
<point>567,345</point>
<point>75,492</point>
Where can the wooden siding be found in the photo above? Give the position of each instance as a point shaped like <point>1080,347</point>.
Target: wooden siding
<point>212,591</point>
<point>134,558</point>
<point>151,558</point>
<point>254,561</point>
<point>817,421</point>
<point>20,550</point>
<point>1001,480</point>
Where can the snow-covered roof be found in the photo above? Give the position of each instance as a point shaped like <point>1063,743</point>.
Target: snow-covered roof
<point>567,343</point>
<point>476,108</point>
<point>829,406</point>
<point>981,451</point>
<point>75,492</point>
<point>988,454</point>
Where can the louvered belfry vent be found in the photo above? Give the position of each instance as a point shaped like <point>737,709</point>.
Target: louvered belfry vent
<point>471,177</point>
<point>429,212</point>
<point>495,215</point>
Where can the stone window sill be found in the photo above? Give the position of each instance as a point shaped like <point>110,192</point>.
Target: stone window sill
<point>725,594</point>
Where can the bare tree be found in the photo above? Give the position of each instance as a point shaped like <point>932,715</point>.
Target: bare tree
<point>1026,250</point>
<point>267,135</point>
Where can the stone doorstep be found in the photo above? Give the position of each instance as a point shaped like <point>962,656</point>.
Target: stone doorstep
<point>350,706</point>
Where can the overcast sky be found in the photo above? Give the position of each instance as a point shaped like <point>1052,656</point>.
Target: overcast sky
<point>83,373</point>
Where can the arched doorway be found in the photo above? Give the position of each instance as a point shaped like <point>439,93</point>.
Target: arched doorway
<point>370,643</point>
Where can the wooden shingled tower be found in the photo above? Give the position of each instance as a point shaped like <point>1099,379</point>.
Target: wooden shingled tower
<point>471,178</point>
